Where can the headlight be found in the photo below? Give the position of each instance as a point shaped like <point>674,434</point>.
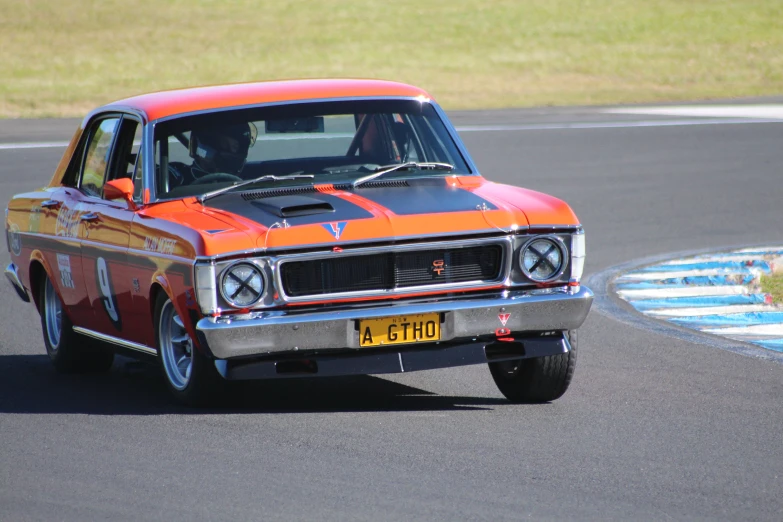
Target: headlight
<point>543,258</point>
<point>242,285</point>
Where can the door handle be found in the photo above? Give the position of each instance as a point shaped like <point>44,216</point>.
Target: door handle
<point>50,203</point>
<point>89,216</point>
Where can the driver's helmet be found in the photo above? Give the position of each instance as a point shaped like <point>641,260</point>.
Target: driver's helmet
<point>222,148</point>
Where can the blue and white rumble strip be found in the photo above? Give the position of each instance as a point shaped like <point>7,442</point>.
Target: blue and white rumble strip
<point>716,293</point>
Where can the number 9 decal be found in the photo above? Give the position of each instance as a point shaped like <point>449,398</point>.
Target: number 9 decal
<point>107,293</point>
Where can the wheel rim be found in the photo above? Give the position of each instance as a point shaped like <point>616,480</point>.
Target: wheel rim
<point>53,312</point>
<point>176,347</point>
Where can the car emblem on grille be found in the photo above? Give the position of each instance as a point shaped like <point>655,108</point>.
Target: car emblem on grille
<point>438,266</point>
<point>504,318</point>
<point>336,228</point>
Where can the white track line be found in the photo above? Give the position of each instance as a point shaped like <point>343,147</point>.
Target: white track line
<point>753,338</point>
<point>653,293</point>
<point>768,111</point>
<point>648,276</point>
<point>759,329</point>
<point>710,310</point>
<point>725,258</point>
<point>42,145</point>
<point>771,248</point>
<point>612,124</point>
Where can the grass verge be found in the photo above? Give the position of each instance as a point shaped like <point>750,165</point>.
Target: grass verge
<point>773,284</point>
<point>63,58</point>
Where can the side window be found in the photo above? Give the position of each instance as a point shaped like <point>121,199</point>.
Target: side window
<point>96,157</point>
<point>138,178</point>
<point>136,172</point>
<point>71,178</point>
<point>126,161</point>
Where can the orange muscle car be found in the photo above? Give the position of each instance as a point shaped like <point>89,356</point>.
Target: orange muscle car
<point>295,228</point>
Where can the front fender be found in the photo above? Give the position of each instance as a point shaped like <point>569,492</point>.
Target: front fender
<point>184,303</point>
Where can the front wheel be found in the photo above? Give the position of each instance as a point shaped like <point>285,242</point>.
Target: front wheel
<point>540,379</point>
<point>190,375</point>
<point>68,351</point>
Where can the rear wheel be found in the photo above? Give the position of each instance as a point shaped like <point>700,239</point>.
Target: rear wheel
<point>189,374</point>
<point>540,379</point>
<point>68,351</point>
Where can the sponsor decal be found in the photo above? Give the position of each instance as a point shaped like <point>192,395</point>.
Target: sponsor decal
<point>504,318</point>
<point>67,224</point>
<point>136,285</point>
<point>336,228</point>
<point>160,245</point>
<point>66,276</point>
<point>14,239</point>
<point>35,220</point>
<point>106,288</point>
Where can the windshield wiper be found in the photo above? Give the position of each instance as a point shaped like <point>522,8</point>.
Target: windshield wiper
<point>209,195</point>
<point>399,166</point>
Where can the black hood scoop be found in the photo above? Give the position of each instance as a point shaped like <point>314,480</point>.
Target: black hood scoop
<point>297,207</point>
<point>293,206</point>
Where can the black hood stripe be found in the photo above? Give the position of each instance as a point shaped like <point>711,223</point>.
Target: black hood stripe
<point>425,196</point>
<point>417,196</point>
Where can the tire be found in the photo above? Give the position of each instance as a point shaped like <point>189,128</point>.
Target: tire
<point>536,380</point>
<point>190,376</point>
<point>68,351</point>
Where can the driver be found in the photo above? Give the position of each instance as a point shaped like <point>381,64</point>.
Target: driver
<point>218,152</point>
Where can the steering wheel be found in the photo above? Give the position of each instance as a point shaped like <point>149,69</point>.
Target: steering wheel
<point>216,177</point>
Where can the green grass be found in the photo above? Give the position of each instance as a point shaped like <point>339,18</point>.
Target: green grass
<point>62,58</point>
<point>773,284</point>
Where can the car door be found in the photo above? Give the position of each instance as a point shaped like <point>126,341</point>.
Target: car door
<point>105,225</point>
<point>127,162</point>
<point>61,214</point>
<point>56,225</point>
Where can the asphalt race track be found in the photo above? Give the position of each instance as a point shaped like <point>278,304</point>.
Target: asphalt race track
<point>654,426</point>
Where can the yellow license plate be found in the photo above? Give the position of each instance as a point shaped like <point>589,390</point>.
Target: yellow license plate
<point>402,329</point>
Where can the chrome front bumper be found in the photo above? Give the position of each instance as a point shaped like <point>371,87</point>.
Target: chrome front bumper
<point>13,276</point>
<point>464,318</point>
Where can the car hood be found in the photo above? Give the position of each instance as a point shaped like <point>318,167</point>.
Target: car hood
<point>383,211</point>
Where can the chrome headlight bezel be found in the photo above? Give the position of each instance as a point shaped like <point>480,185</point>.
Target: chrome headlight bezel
<point>228,270</point>
<point>555,240</point>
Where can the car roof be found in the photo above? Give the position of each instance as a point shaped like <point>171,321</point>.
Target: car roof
<point>163,104</point>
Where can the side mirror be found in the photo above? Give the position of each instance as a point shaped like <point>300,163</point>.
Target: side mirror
<point>120,189</point>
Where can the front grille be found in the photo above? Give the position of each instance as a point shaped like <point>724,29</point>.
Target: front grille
<point>392,270</point>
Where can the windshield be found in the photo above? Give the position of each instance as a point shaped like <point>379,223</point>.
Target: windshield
<point>335,142</point>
